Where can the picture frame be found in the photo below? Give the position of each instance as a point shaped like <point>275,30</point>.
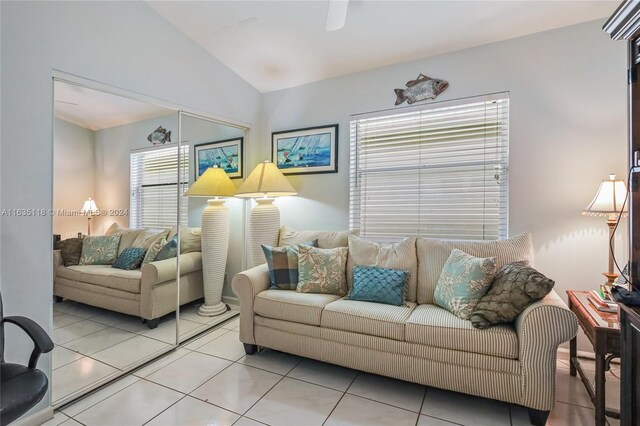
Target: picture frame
<point>311,150</point>
<point>226,154</point>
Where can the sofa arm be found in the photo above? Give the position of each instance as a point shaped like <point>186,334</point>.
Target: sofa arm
<point>246,285</point>
<point>165,270</point>
<point>541,328</point>
<point>57,261</point>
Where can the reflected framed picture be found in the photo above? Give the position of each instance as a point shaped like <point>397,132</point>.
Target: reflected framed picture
<point>226,154</point>
<point>306,151</point>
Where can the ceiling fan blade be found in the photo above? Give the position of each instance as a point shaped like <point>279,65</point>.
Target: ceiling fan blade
<point>337,14</point>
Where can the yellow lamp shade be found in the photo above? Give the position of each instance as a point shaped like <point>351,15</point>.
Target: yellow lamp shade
<point>214,182</point>
<point>610,198</point>
<point>266,180</point>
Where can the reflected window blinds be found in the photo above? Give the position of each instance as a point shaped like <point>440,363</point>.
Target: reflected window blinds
<point>435,171</point>
<point>154,192</point>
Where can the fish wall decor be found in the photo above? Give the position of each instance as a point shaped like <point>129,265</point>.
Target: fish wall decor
<point>420,89</point>
<point>159,136</point>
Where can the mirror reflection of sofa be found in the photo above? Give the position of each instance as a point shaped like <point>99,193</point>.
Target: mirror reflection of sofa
<point>148,291</point>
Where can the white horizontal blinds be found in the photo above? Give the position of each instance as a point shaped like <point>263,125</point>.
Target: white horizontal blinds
<point>439,172</point>
<point>154,187</point>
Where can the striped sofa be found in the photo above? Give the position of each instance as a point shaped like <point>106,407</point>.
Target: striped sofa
<point>418,342</point>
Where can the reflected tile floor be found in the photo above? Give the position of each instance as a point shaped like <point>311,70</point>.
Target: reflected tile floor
<point>92,344</point>
<point>205,382</point>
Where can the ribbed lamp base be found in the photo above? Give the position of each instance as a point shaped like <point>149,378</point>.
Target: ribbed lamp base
<point>264,228</point>
<point>215,245</point>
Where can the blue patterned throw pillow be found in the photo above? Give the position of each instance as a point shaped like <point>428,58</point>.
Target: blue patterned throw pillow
<point>129,259</point>
<point>379,285</point>
<point>463,281</point>
<point>100,250</point>
<point>169,250</point>
<point>283,265</point>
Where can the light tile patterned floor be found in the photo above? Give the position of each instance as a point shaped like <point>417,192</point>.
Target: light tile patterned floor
<point>208,381</point>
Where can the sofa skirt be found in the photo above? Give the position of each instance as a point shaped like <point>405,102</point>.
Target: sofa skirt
<point>470,373</point>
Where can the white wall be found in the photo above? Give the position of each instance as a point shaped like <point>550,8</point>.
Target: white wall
<point>73,156</point>
<point>123,44</point>
<point>568,131</point>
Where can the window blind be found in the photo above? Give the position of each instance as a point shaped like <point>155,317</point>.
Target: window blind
<point>154,187</point>
<point>438,171</point>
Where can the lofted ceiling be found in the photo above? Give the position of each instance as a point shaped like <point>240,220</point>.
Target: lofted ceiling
<point>96,110</point>
<point>279,44</point>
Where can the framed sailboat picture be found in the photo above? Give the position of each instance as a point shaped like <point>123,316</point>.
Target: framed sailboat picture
<point>306,151</point>
<point>226,154</point>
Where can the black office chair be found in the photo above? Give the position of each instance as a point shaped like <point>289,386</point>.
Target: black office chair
<point>22,387</point>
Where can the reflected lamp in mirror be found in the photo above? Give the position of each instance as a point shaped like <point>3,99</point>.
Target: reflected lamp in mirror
<point>610,201</point>
<point>89,209</point>
<point>264,183</point>
<point>215,183</point>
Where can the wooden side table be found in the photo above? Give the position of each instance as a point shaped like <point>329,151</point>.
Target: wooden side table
<point>603,330</point>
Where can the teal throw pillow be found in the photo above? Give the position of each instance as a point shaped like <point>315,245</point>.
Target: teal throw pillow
<point>101,250</point>
<point>169,250</point>
<point>130,258</point>
<point>283,265</point>
<point>379,285</point>
<point>463,281</point>
<point>322,270</point>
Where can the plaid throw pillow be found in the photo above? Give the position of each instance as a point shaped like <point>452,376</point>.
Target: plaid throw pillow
<point>283,265</point>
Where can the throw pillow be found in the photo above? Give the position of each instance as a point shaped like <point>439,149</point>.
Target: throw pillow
<point>283,265</point>
<point>463,281</point>
<point>101,250</point>
<point>326,239</point>
<point>322,270</point>
<point>401,256</point>
<point>148,236</point>
<point>515,287</point>
<point>153,251</point>
<point>129,235</point>
<point>169,250</point>
<point>129,259</point>
<point>71,250</point>
<point>379,285</point>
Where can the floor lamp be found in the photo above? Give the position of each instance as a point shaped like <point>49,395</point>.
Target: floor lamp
<point>214,182</point>
<point>89,208</point>
<point>610,202</point>
<point>264,183</point>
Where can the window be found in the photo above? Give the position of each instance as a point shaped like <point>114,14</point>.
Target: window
<point>154,192</point>
<point>438,171</point>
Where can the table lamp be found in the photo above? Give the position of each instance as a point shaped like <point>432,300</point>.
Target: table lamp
<point>214,182</point>
<point>610,202</point>
<point>89,208</point>
<point>264,183</point>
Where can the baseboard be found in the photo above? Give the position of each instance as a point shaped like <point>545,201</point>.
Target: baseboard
<point>231,300</point>
<point>37,418</point>
<point>587,355</point>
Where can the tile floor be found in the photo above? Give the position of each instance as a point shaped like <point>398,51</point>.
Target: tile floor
<point>92,344</point>
<point>210,381</point>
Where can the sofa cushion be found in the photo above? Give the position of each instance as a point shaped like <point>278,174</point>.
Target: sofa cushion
<point>322,270</point>
<point>378,285</point>
<point>147,237</point>
<point>370,318</point>
<point>71,250</point>
<point>153,250</point>
<point>326,239</point>
<point>169,250</point>
<point>103,275</point>
<point>400,256</point>
<point>283,265</point>
<point>433,254</point>
<point>292,306</point>
<point>128,235</point>
<point>130,259</point>
<point>434,326</point>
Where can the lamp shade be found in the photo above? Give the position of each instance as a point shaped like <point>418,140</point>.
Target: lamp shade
<point>266,180</point>
<point>214,182</point>
<point>610,198</point>
<point>89,207</point>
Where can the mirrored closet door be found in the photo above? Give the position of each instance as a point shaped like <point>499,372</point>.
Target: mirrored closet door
<point>116,196</point>
<point>214,216</point>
